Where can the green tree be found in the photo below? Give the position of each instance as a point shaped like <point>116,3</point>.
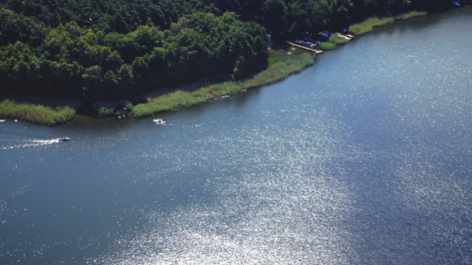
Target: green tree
<point>92,81</point>
<point>275,17</point>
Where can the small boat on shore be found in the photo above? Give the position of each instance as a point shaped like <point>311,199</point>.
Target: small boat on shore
<point>63,139</point>
<point>159,121</point>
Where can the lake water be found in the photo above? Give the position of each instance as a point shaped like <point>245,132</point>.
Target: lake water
<point>363,158</point>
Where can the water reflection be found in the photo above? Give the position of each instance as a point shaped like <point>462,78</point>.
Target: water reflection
<point>362,159</point>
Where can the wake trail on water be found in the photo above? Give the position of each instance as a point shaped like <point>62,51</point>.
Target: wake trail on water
<point>31,143</point>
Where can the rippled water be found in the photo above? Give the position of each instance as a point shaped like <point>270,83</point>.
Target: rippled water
<point>364,158</point>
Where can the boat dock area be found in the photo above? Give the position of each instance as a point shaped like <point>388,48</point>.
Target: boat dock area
<point>305,48</point>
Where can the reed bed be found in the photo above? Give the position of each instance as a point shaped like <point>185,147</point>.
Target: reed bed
<point>368,25</point>
<point>372,22</point>
<point>280,67</point>
<point>411,14</point>
<point>327,45</point>
<point>36,113</point>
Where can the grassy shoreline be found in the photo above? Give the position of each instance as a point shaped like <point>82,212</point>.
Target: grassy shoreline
<point>280,67</point>
<point>36,113</point>
<point>369,24</point>
<point>47,111</point>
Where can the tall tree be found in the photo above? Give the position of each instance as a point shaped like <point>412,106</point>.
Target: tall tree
<point>275,17</point>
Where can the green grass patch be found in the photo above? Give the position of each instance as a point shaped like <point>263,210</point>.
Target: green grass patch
<point>368,25</point>
<point>372,22</point>
<point>338,40</point>
<point>36,113</point>
<point>411,14</point>
<point>327,45</point>
<point>105,111</point>
<point>276,57</point>
<point>280,67</point>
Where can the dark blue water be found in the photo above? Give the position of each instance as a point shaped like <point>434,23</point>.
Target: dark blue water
<point>363,158</point>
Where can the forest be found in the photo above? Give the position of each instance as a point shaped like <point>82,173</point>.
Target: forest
<point>102,49</point>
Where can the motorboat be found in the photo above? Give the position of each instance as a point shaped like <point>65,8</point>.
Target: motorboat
<point>159,121</point>
<point>63,139</point>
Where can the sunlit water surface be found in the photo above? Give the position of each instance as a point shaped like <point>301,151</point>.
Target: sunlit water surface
<point>364,158</point>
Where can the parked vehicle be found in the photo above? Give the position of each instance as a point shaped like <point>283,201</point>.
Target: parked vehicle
<point>326,34</point>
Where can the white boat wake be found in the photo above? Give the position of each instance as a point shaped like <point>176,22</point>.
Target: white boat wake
<point>32,143</point>
<point>159,121</point>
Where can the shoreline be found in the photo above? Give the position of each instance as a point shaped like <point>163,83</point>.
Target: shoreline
<point>39,110</point>
<point>281,66</point>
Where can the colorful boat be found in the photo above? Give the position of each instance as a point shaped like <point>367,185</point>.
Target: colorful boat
<point>159,121</point>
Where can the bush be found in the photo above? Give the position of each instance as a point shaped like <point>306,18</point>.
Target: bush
<point>129,106</point>
<point>105,111</point>
<point>336,39</point>
<point>327,45</point>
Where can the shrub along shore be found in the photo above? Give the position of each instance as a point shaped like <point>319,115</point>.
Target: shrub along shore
<point>280,67</point>
<point>367,26</point>
<point>36,113</point>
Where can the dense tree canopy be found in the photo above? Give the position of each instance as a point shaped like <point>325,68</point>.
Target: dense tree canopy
<point>116,48</point>
<point>75,62</point>
<point>123,16</point>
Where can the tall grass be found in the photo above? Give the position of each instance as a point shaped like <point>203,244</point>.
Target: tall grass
<point>36,113</point>
<point>338,40</point>
<point>327,45</point>
<point>280,67</point>
<point>372,22</point>
<point>411,14</point>
<point>368,25</point>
